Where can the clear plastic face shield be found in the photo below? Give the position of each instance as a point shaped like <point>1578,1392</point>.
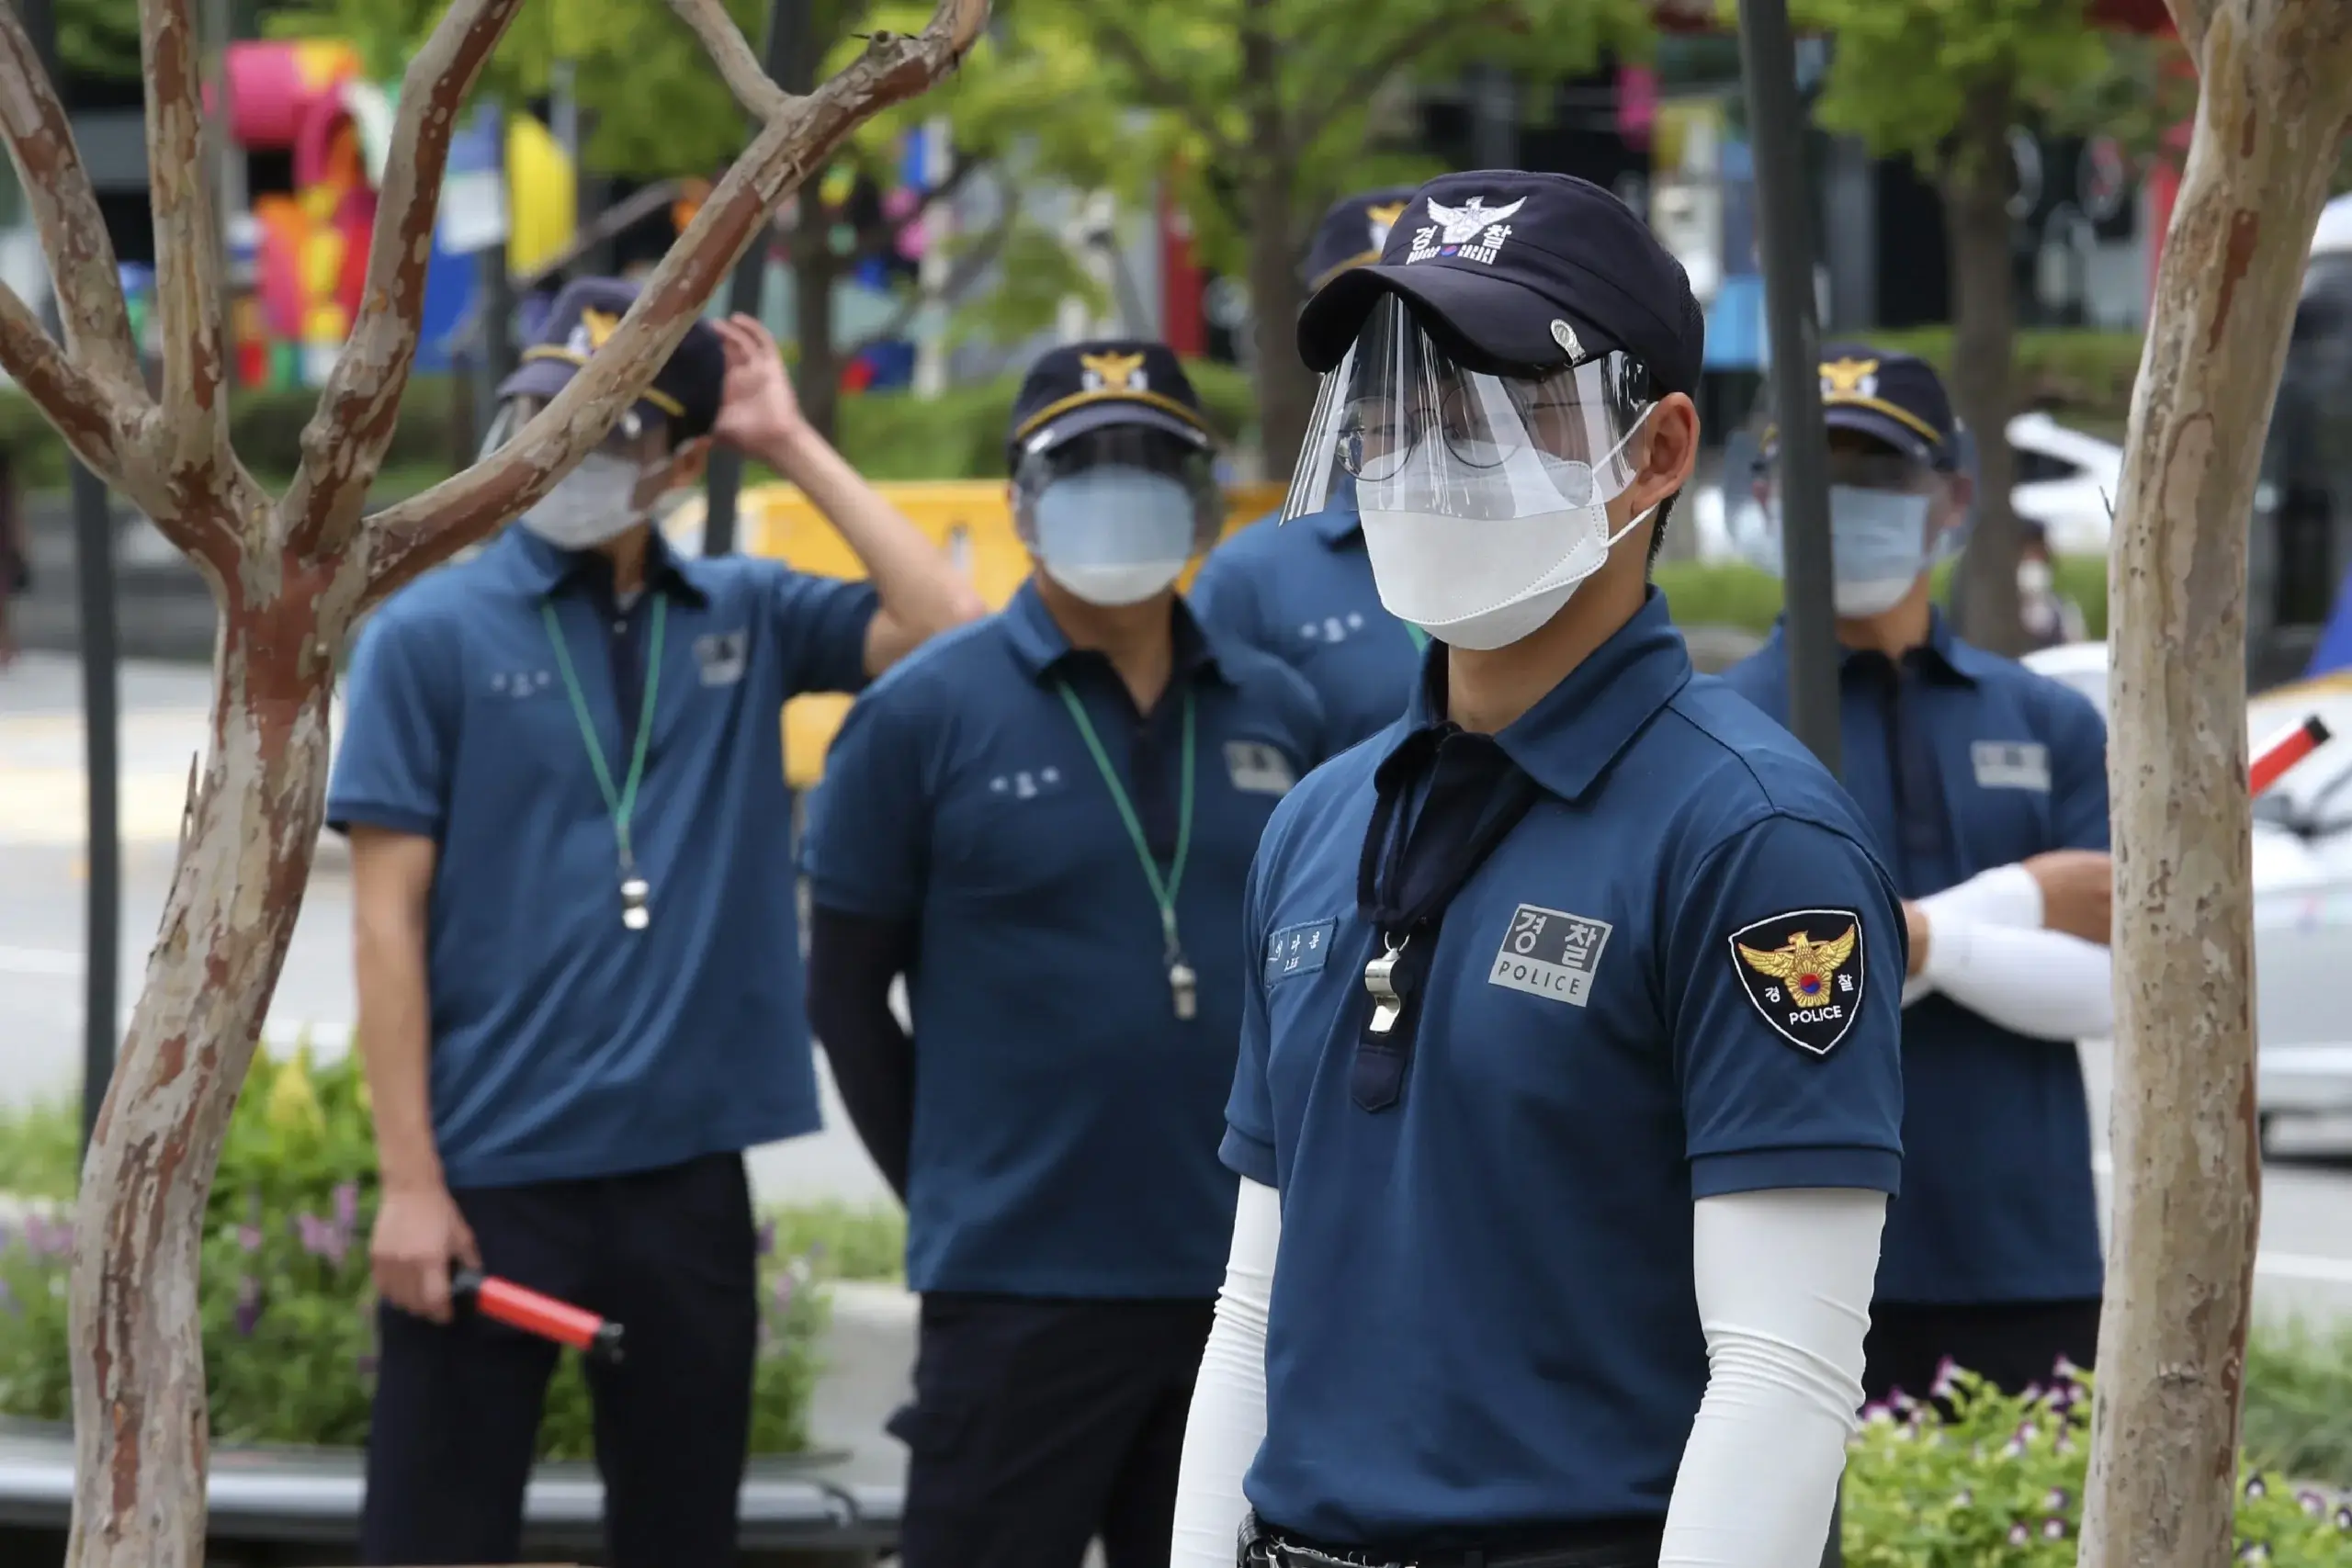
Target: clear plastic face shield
<point>1401,427</point>
<point>626,479</point>
<point>1115,514</point>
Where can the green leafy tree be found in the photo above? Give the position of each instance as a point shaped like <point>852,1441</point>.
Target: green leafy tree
<point>1260,113</point>
<point>1943,82</point>
<point>99,38</point>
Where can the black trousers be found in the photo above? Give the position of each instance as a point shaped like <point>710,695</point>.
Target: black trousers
<point>668,1254</point>
<point>1038,1425</point>
<point>2012,1344</point>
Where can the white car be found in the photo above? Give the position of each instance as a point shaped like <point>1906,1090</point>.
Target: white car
<point>2065,481</point>
<point>2302,889</point>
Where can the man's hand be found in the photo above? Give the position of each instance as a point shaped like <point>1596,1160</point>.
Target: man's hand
<point>758,415</point>
<point>418,1232</point>
<point>2077,893</point>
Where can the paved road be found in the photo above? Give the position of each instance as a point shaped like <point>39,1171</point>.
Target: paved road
<point>2307,1252</point>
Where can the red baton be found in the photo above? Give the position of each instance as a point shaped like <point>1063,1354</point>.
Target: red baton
<point>502,1301</point>
<point>2286,751</point>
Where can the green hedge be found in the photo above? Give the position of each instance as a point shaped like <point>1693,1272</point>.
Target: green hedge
<point>1735,594</point>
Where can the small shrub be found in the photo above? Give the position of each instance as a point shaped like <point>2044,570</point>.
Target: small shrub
<point>288,1307</point>
<point>1995,1481</point>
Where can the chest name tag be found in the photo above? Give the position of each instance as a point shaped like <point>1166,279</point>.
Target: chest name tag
<point>1298,949</point>
<point>721,656</point>
<point>2011,764</point>
<point>1257,768</point>
<point>1550,953</point>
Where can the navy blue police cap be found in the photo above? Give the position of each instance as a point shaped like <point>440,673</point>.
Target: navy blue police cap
<point>1081,386</point>
<point>1894,398</point>
<point>687,390</point>
<point>1353,233</point>
<point>1517,272</point>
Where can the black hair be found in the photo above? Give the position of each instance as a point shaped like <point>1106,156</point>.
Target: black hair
<point>1657,528</point>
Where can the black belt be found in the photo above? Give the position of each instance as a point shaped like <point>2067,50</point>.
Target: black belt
<point>1636,1545</point>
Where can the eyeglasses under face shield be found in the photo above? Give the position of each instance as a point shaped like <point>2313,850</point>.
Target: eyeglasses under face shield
<point>1404,426</point>
<point>1111,461</point>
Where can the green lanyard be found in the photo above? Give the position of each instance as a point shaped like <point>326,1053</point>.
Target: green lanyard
<point>621,803</point>
<point>1182,984</point>
<point>1421,638</point>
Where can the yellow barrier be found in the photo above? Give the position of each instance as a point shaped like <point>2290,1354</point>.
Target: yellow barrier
<point>972,520</point>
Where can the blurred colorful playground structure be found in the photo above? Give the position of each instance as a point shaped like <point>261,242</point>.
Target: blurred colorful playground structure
<point>299,251</point>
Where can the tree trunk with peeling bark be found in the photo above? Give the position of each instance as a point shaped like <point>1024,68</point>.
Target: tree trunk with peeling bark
<point>2274,103</point>
<point>292,575</point>
<point>1285,392</point>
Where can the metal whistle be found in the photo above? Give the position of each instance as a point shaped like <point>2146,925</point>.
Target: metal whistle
<point>1184,988</point>
<point>635,914</point>
<point>1380,979</point>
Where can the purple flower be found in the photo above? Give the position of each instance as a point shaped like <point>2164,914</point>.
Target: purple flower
<point>249,1238</point>
<point>2014,1448</point>
<point>764,1243</point>
<point>1876,1413</point>
<point>1963,1498</point>
<point>248,1306</point>
<point>2256,1486</point>
<point>2020,1535</point>
<point>2054,1529</point>
<point>2065,1371</point>
<point>2313,1503</point>
<point>346,1207</point>
<point>321,1239</point>
<point>2254,1552</point>
<point>1947,1379</point>
<point>1900,1402</point>
<point>2344,1517</point>
<point>2056,1502</point>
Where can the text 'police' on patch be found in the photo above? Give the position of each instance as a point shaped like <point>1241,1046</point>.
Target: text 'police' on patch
<point>1550,953</point>
<point>1298,949</point>
<point>1804,971</point>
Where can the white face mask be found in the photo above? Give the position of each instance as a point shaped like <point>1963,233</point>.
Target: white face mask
<point>2033,577</point>
<point>1487,584</point>
<point>1114,534</point>
<point>594,503</point>
<point>1878,541</point>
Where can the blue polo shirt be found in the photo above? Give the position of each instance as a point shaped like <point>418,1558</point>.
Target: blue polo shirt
<point>1963,761</point>
<point>1303,592</point>
<point>564,1044</point>
<point>1065,1120</point>
<point>1483,1318</point>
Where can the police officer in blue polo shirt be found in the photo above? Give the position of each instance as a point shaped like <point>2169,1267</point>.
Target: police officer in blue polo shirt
<point>1044,823</point>
<point>1304,593</point>
<point>578,972</point>
<point>1570,1081</point>
<point>1986,788</point>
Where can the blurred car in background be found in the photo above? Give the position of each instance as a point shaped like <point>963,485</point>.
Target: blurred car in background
<point>2302,889</point>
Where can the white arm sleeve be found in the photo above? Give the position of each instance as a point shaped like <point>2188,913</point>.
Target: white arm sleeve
<point>2043,983</point>
<point>1229,1415</point>
<point>1783,1282</point>
<point>2005,896</point>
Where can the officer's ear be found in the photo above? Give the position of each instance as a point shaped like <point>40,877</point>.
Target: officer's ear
<point>1670,450</point>
<point>686,464</point>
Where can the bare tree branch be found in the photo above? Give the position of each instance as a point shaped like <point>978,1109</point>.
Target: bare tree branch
<point>415,533</point>
<point>194,431</point>
<point>724,42</point>
<point>1367,79</point>
<point>345,443</point>
<point>65,210</point>
<point>86,412</point>
<point>1165,92</point>
<point>969,267</point>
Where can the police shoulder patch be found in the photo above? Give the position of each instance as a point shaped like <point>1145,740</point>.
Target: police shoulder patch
<point>1803,970</point>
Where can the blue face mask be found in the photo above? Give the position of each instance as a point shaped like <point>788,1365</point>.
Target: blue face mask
<point>1114,534</point>
<point>1878,540</point>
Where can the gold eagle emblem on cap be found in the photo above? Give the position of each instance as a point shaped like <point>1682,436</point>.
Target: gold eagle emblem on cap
<point>1113,372</point>
<point>599,327</point>
<point>1803,965</point>
<point>1849,378</point>
<point>1381,217</point>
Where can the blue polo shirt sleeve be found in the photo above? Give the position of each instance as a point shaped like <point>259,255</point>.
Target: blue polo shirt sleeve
<point>1248,1147</point>
<point>402,702</point>
<point>2078,815</point>
<point>821,623</point>
<point>1783,986</point>
<point>867,849</point>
